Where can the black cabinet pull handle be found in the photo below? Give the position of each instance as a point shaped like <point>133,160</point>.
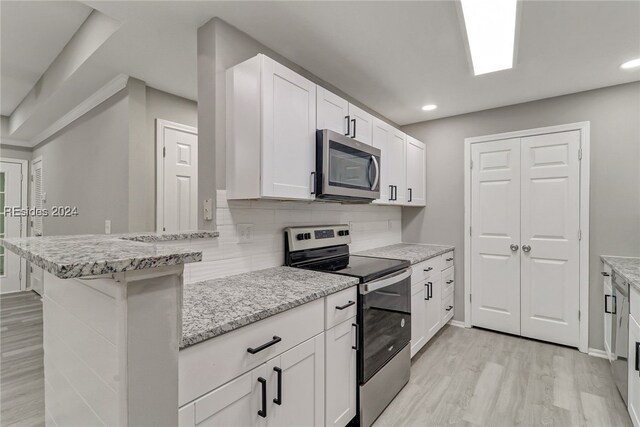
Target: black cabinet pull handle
<point>354,128</point>
<point>605,274</point>
<point>449,309</point>
<point>357,346</point>
<point>449,282</point>
<point>428,269</point>
<point>605,304</point>
<point>263,412</point>
<point>615,304</point>
<point>428,285</point>
<point>449,259</point>
<point>430,290</point>
<point>637,356</point>
<point>390,192</point>
<point>410,195</point>
<point>395,192</point>
<point>348,125</point>
<point>313,183</point>
<point>278,400</point>
<point>275,340</point>
<point>342,307</point>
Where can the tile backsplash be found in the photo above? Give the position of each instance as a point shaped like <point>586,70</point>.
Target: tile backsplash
<point>371,226</point>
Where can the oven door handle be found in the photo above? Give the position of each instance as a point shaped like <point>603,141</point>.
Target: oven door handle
<point>366,288</point>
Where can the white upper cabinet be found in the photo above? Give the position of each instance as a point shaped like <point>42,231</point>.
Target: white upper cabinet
<point>416,172</point>
<point>391,143</point>
<point>332,112</point>
<point>271,124</point>
<point>360,124</point>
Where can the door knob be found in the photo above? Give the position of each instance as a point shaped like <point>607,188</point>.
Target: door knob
<point>526,248</point>
<point>514,247</point>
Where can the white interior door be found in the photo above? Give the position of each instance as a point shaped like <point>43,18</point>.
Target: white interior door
<point>11,195</point>
<point>495,225</point>
<point>178,210</point>
<point>550,226</point>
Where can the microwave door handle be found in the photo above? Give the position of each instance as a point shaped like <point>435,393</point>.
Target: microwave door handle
<point>377,177</point>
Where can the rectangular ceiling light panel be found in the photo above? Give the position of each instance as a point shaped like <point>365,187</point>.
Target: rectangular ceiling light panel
<point>491,29</point>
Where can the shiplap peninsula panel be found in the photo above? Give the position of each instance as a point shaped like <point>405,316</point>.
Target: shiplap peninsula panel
<point>372,226</point>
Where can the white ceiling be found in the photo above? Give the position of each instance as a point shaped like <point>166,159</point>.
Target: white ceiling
<point>33,34</point>
<point>392,56</point>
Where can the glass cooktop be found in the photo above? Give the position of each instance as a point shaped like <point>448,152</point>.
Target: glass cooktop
<point>363,267</point>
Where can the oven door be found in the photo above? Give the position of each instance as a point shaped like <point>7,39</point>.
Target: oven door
<point>385,321</point>
<point>346,169</point>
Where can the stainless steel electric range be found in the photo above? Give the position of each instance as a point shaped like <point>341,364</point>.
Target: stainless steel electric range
<point>384,310</point>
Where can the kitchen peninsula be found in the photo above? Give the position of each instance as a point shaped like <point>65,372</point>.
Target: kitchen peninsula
<point>112,324</point>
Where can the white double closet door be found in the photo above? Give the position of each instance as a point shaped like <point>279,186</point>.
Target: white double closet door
<point>525,217</point>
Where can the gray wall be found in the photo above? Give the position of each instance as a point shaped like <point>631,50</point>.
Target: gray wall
<point>15,152</point>
<point>86,165</point>
<point>614,114</point>
<point>221,46</point>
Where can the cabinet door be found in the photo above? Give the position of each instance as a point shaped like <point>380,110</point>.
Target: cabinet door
<point>301,400</point>
<point>634,374</point>
<point>332,111</point>
<point>416,172</point>
<point>418,320</point>
<point>234,404</point>
<point>397,157</point>
<point>608,291</point>
<point>361,124</point>
<point>381,140</point>
<point>433,306</point>
<point>340,374</point>
<point>288,132</point>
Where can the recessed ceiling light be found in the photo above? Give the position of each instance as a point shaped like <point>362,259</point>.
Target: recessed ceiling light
<point>491,30</point>
<point>429,107</point>
<point>631,64</point>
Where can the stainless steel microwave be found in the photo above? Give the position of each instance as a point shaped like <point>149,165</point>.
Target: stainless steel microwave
<point>347,170</point>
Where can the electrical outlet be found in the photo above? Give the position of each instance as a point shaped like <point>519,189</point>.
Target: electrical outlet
<point>107,226</point>
<point>208,209</point>
<point>245,233</point>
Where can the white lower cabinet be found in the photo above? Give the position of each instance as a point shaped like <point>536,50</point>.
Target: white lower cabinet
<point>634,357</point>
<point>431,298</point>
<point>288,390</point>
<point>340,374</point>
<point>608,290</point>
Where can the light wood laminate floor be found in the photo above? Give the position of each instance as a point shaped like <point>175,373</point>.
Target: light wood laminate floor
<point>474,377</point>
<point>21,360</point>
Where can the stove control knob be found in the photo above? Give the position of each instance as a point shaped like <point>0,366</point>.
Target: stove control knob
<point>307,236</point>
<point>300,236</point>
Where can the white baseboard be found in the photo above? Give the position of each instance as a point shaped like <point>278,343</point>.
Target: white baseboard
<point>598,353</point>
<point>456,323</point>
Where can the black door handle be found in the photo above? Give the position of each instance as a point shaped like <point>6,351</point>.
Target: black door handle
<point>615,304</point>
<point>605,274</point>
<point>342,307</point>
<point>428,269</point>
<point>354,128</point>
<point>278,400</point>
<point>357,346</point>
<point>410,195</point>
<point>449,308</point>
<point>605,304</point>
<point>348,125</point>
<point>449,259</point>
<point>428,285</point>
<point>430,290</point>
<point>275,340</point>
<point>263,412</point>
<point>449,282</point>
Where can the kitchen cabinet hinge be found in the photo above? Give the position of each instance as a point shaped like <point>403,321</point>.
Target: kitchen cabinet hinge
<point>580,154</point>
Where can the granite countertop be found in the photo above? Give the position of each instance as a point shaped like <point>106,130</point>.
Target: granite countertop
<point>412,252</point>
<point>628,268</point>
<point>218,306</point>
<point>94,254</point>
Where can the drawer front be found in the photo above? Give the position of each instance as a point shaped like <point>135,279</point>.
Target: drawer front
<point>634,300</point>
<point>448,282</point>
<point>340,307</point>
<point>447,309</point>
<point>447,260</point>
<point>425,269</point>
<point>209,364</point>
